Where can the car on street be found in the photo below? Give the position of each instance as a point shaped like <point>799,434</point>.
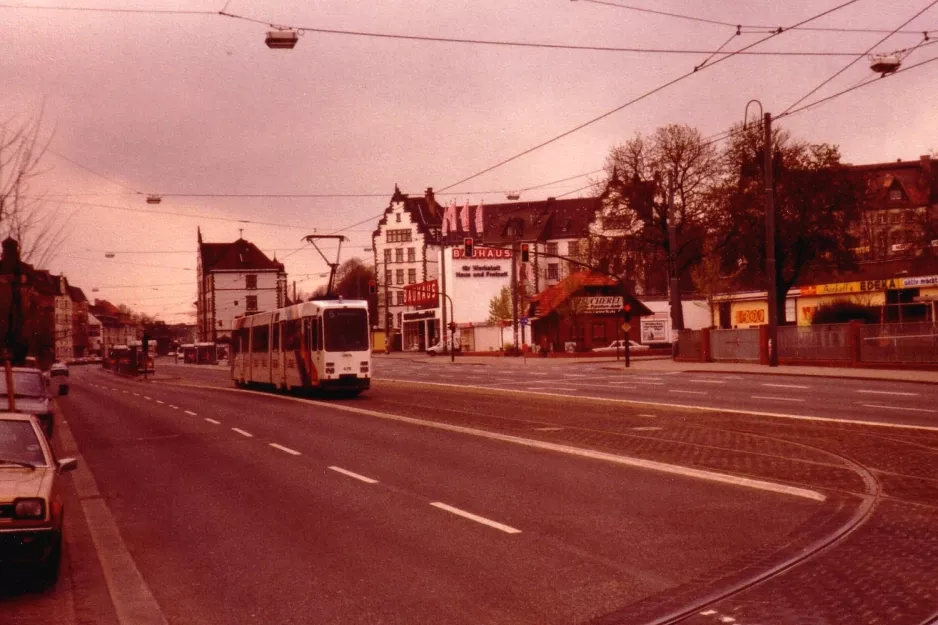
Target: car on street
<point>620,346</point>
<point>30,396</point>
<point>58,378</point>
<point>439,348</point>
<point>31,510</point>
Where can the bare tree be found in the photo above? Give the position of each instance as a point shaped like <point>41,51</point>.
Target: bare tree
<point>25,213</point>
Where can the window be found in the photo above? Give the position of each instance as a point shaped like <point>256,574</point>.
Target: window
<point>250,281</point>
<point>895,194</point>
<point>250,303</point>
<point>411,254</point>
<point>387,277</point>
<point>411,276</point>
<point>573,248</point>
<point>553,271</point>
<point>894,217</point>
<point>399,255</point>
<point>397,217</point>
<point>292,335</point>
<point>275,340</point>
<point>599,332</point>
<point>399,236</point>
<point>400,298</point>
<point>400,319</point>
<point>259,339</point>
<point>882,217</point>
<point>387,256</point>
<point>551,249</point>
<point>400,276</point>
<point>346,330</point>
<point>909,217</point>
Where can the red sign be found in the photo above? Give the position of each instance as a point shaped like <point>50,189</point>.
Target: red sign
<point>483,253</point>
<point>422,294</point>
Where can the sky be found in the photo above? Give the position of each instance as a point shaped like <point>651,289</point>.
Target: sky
<point>192,105</point>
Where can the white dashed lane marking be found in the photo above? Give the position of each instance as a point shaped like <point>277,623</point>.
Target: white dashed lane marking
<point>354,475</point>
<point>292,452</point>
<point>478,519</point>
<point>189,412</point>
<point>902,393</point>
<point>242,432</point>
<point>159,401</point>
<point>677,390</point>
<point>174,407</point>
<point>898,408</point>
<point>706,381</point>
<point>212,421</point>
<point>149,398</point>
<point>776,398</point>
<point>785,385</point>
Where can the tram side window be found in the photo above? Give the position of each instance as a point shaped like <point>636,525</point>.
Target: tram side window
<point>261,334</point>
<point>292,334</point>
<point>275,340</point>
<point>314,342</point>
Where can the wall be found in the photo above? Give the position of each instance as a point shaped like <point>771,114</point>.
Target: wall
<point>472,283</point>
<point>231,295</point>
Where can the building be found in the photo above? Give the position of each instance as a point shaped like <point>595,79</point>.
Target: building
<point>95,339</point>
<point>80,336</point>
<point>235,279</point>
<point>419,256</point>
<point>117,327</point>
<point>582,312</point>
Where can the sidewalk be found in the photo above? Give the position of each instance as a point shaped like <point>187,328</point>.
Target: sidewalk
<point>654,364</point>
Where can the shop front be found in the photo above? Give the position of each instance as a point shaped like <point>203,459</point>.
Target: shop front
<point>421,330</point>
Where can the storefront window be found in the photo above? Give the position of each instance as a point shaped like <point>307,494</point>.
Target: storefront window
<point>599,332</point>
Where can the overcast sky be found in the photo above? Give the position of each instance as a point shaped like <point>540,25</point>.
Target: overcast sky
<point>197,104</point>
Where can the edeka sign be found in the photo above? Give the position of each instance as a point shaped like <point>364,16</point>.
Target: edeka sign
<point>483,253</point>
<point>863,286</point>
<point>600,305</point>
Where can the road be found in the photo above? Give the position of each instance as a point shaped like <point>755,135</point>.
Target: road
<point>428,503</point>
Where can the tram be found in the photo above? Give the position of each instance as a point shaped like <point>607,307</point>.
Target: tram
<point>322,344</point>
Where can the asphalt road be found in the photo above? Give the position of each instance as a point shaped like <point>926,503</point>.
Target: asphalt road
<point>865,400</point>
<point>241,506</point>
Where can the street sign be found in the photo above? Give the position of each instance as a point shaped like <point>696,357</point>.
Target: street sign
<point>626,327</point>
<point>524,321</point>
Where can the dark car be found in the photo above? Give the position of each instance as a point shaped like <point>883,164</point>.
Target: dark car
<point>30,396</point>
<point>58,378</point>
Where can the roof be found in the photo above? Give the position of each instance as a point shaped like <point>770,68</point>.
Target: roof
<point>539,221</point>
<point>77,294</point>
<point>426,212</point>
<point>238,255</point>
<point>551,298</point>
<point>913,178</point>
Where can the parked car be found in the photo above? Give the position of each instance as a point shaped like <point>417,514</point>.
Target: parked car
<point>439,349</point>
<point>620,346</point>
<point>31,510</point>
<point>58,378</point>
<point>30,394</point>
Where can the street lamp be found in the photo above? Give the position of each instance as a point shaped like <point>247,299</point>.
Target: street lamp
<point>281,38</point>
<point>769,231</point>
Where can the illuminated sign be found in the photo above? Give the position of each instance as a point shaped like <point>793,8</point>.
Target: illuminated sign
<point>422,294</point>
<point>750,316</point>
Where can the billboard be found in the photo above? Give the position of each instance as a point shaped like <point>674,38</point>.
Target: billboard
<point>656,329</point>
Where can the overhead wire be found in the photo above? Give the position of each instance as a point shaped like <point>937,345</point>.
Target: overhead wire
<point>635,100</point>
<point>858,58</point>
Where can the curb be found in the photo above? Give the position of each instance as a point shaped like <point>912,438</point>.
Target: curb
<point>828,376</point>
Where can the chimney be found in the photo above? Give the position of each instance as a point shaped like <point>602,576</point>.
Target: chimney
<point>925,160</point>
<point>11,255</point>
<point>431,201</point>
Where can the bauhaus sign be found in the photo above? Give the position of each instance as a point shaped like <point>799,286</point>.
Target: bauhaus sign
<point>483,253</point>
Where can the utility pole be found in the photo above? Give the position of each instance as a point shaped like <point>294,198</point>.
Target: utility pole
<point>770,243</point>
<point>442,299</point>
<point>677,311</point>
<point>514,291</point>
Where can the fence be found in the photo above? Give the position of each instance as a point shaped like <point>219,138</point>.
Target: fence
<point>830,342</point>
<point>735,345</point>
<point>899,343</point>
<point>851,345</point>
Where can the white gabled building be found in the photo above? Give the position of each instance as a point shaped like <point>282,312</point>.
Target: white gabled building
<point>235,279</point>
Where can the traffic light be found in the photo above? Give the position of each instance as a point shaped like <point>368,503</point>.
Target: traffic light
<point>372,287</point>
<point>525,253</point>
<point>627,312</point>
<point>467,247</point>
<point>452,326</point>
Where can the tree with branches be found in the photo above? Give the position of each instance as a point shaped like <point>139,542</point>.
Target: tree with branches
<point>26,215</point>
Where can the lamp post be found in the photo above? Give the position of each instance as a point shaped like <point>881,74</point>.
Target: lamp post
<point>770,268</point>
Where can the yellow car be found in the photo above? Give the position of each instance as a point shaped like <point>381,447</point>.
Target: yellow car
<point>31,510</point>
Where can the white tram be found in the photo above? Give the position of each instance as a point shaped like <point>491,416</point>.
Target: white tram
<point>322,344</point>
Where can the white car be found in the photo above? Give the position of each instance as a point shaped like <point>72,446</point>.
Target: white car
<point>620,346</point>
<point>438,349</point>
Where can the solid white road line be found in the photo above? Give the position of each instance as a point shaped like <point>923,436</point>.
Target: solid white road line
<point>785,385</point>
<point>292,452</point>
<point>904,394</point>
<point>242,432</point>
<point>351,474</point>
<point>776,398</point>
<point>677,390</point>
<point>213,421</point>
<point>898,408</point>
<point>474,517</point>
<point>189,412</point>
